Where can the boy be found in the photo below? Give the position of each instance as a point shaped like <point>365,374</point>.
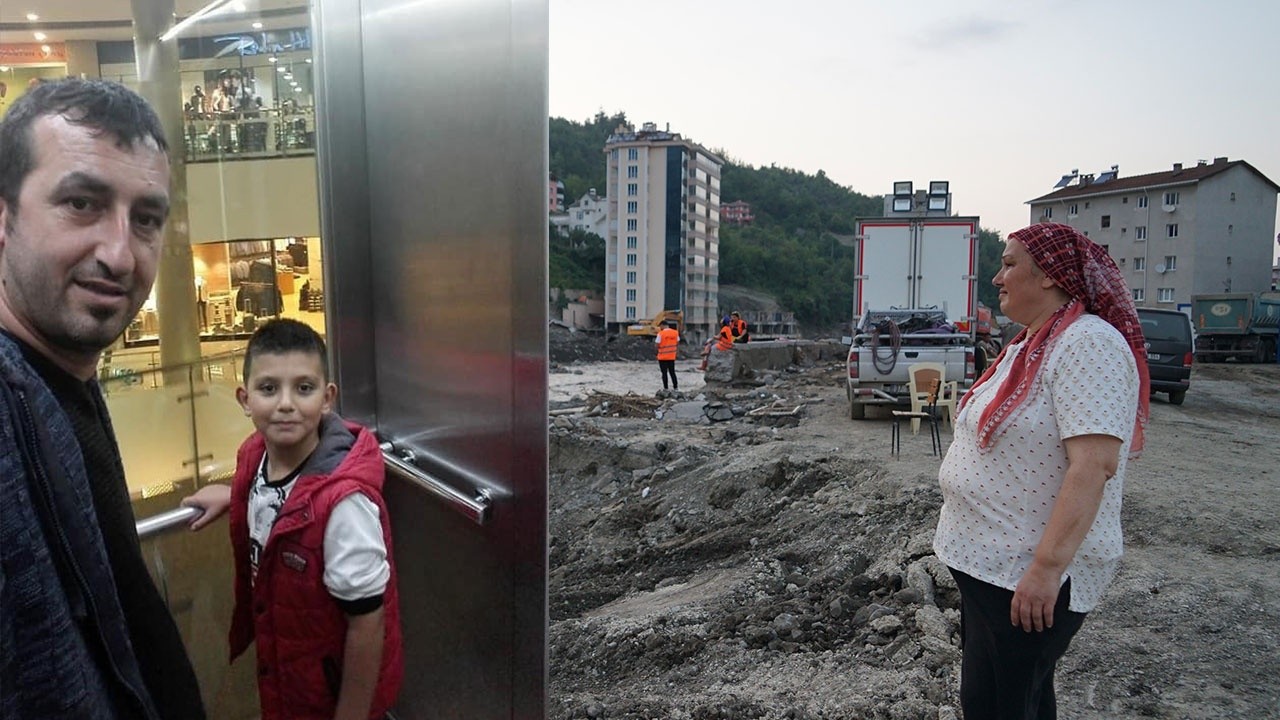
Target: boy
<point>315,586</point>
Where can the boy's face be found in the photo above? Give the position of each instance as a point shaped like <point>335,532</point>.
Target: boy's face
<point>286,396</point>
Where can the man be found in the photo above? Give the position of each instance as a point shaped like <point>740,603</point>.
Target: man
<point>668,339</point>
<point>84,195</point>
<point>738,327</point>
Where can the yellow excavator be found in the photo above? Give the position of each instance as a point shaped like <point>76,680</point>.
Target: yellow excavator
<point>651,327</point>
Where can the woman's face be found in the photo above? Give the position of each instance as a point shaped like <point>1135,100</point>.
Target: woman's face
<point>1024,288</point>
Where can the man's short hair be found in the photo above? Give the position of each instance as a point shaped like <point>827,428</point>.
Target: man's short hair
<point>281,336</point>
<point>106,107</point>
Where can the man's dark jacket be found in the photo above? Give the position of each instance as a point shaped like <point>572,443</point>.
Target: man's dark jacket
<point>65,645</point>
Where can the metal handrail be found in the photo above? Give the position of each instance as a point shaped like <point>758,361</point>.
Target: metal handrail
<point>477,507</point>
<point>165,521</point>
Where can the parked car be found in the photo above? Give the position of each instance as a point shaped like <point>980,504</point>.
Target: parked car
<point>1169,351</point>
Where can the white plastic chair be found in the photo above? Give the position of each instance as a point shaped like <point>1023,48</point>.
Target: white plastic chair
<point>921,376</point>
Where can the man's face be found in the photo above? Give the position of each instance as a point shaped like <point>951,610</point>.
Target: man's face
<point>78,252</point>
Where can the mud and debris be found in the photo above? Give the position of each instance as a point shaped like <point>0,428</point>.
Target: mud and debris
<point>747,551</point>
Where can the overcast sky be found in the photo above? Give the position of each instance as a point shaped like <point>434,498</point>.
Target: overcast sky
<point>999,97</point>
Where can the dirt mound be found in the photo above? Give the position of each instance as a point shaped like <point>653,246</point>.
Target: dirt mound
<point>724,565</point>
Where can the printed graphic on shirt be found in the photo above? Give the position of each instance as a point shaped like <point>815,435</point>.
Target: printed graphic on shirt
<point>265,502</point>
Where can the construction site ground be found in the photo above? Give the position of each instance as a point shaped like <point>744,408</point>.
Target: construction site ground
<point>776,561</point>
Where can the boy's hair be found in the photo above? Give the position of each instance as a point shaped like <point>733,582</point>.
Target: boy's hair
<point>281,336</point>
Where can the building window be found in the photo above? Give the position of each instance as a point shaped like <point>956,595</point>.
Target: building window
<point>1171,198</point>
<point>633,189</point>
<point>1142,201</point>
<point>614,154</point>
<point>631,295</point>
<point>1073,209</point>
<point>631,259</point>
<point>1139,264</point>
<point>1106,221</point>
<point>631,242</point>
<point>1171,230</point>
<point>1170,262</point>
<point>632,206</point>
<point>1140,232</point>
<point>1048,212</point>
<point>633,153</point>
<point>1139,294</point>
<point>631,225</point>
<point>631,312</point>
<point>1124,200</point>
<point>633,171</point>
<point>1106,249</point>
<point>1164,295</point>
<point>631,277</point>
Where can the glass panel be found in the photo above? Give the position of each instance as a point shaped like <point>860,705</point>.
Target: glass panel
<point>193,572</point>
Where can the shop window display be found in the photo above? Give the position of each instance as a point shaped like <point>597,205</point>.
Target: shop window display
<point>240,284</point>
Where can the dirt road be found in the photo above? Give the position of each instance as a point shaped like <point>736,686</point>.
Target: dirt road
<point>779,565</point>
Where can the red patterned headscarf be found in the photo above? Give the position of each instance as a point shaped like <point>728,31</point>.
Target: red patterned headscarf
<point>1088,274</point>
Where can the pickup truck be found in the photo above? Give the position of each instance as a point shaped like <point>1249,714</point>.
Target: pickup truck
<point>914,300</point>
<point>888,342</point>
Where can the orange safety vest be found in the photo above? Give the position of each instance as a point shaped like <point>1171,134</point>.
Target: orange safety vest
<point>739,327</point>
<point>668,338</point>
<point>725,341</point>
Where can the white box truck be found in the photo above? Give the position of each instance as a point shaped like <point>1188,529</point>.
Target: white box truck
<point>914,300</point>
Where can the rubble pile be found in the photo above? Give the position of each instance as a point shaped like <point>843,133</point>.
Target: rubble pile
<point>744,550</point>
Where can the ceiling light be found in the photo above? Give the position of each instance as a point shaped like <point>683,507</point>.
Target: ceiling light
<point>41,37</point>
<point>288,76</point>
<point>46,49</point>
<point>297,89</point>
<point>308,61</point>
<point>257,26</point>
<point>33,17</point>
<point>4,68</point>
<point>214,6</point>
<point>273,59</point>
<point>280,68</point>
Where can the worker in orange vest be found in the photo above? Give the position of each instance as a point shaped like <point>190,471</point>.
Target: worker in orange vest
<point>667,340</point>
<point>739,328</point>
<point>725,340</point>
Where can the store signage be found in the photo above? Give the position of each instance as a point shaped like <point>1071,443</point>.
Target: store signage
<point>33,54</point>
<point>218,46</point>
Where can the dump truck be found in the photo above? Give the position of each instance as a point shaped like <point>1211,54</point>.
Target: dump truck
<point>1236,326</point>
<point>652,326</point>
<point>914,300</point>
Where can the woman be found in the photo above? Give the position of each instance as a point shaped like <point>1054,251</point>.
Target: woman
<point>1030,522</point>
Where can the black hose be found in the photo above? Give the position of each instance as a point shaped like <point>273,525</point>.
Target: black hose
<point>886,363</point>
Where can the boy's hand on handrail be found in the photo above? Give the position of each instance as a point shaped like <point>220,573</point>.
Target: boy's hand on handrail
<point>213,499</point>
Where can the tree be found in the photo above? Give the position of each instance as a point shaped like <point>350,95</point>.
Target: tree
<point>990,248</point>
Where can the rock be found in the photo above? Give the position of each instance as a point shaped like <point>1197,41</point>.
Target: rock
<point>919,580</point>
<point>887,624</point>
<point>693,410</point>
<point>930,621</point>
<point>718,412</point>
<point>835,608</point>
<point>563,423</point>
<point>870,612</point>
<point>595,710</point>
<point>946,712</point>
<point>784,623</point>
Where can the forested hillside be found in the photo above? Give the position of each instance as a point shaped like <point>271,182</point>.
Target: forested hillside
<point>799,250</point>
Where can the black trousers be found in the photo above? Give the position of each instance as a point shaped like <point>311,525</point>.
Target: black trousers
<point>1007,673</point>
<point>668,367</point>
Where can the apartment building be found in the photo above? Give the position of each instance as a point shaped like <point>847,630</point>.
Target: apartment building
<point>737,212</point>
<point>1205,228</point>
<point>662,230</point>
<point>588,214</point>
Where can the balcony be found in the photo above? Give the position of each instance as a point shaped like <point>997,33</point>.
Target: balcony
<point>264,134</point>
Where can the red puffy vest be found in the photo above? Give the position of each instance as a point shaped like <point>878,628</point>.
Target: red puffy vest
<point>299,629</point>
